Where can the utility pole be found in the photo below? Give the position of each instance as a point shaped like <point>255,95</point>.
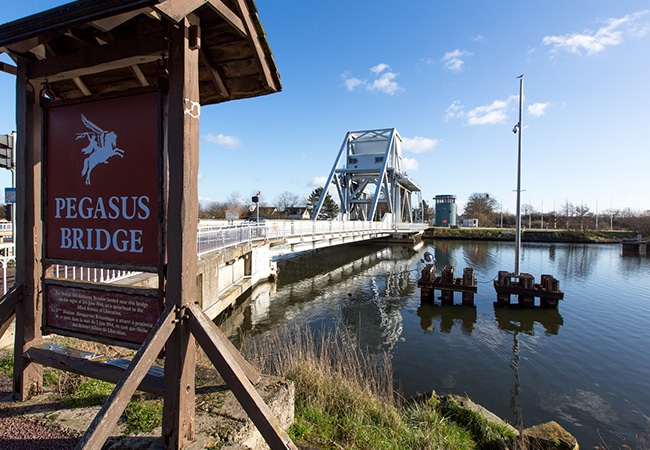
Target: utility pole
<point>517,128</point>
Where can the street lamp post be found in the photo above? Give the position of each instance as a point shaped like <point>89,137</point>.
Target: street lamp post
<point>517,129</point>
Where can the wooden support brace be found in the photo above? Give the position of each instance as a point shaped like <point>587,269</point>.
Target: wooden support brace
<point>6,324</point>
<point>8,303</point>
<point>107,418</point>
<point>208,337</point>
<point>94,369</point>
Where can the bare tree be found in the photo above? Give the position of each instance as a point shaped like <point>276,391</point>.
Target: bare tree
<point>287,200</point>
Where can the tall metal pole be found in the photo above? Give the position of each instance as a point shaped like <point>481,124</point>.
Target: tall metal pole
<point>519,126</point>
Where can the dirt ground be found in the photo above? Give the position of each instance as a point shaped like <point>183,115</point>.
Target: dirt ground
<point>20,431</point>
<point>43,423</point>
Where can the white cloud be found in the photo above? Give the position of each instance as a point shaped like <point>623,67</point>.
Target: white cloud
<point>317,181</point>
<point>410,164</point>
<point>453,60</point>
<point>495,112</point>
<point>419,144</point>
<point>478,38</point>
<point>352,83</point>
<point>221,140</point>
<point>592,42</point>
<point>383,82</point>
<point>379,68</point>
<point>454,111</point>
<point>538,109</point>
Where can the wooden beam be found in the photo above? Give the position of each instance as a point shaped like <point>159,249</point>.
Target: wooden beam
<point>182,112</point>
<point>108,23</point>
<point>228,15</point>
<point>8,307</point>
<point>177,10</point>
<point>94,369</point>
<point>8,68</point>
<point>236,379</point>
<point>139,75</point>
<point>82,86</point>
<point>254,39</point>
<point>7,323</point>
<point>107,418</point>
<point>8,302</point>
<point>221,342</point>
<point>214,74</point>
<point>28,377</point>
<point>88,61</point>
<point>69,15</point>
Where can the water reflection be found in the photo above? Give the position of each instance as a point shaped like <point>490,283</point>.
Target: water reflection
<point>448,316</point>
<point>522,320</point>
<point>574,261</point>
<point>376,324</point>
<point>566,261</point>
<point>513,361</point>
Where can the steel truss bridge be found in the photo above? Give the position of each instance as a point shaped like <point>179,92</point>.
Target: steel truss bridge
<point>370,181</point>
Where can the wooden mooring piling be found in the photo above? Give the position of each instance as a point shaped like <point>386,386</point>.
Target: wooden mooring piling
<point>525,288</point>
<point>445,282</point>
<point>634,247</point>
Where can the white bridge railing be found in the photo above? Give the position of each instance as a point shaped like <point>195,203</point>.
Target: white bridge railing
<point>213,236</point>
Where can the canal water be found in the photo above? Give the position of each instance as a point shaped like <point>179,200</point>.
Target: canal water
<point>585,365</point>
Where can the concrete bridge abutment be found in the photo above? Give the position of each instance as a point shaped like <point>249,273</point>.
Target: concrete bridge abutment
<point>223,275</point>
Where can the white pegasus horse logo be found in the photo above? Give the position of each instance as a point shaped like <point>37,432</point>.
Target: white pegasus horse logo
<point>101,146</point>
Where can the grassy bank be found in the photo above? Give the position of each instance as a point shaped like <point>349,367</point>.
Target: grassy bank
<point>506,234</point>
<point>345,399</point>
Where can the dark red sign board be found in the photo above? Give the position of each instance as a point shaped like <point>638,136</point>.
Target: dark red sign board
<point>102,181</point>
<point>116,315</point>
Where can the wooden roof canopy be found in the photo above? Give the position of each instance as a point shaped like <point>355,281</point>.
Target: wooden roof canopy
<point>90,47</point>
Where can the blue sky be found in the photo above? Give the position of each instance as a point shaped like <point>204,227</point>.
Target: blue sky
<point>443,74</point>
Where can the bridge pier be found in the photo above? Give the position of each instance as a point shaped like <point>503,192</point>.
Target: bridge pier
<point>226,274</point>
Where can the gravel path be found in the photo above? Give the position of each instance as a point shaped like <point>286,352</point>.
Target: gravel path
<point>18,432</point>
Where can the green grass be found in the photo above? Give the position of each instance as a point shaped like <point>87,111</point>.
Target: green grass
<point>345,399</point>
<point>7,365</point>
<point>487,435</point>
<point>142,417</point>
<point>81,392</point>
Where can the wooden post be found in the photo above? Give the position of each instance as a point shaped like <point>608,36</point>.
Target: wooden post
<point>182,129</point>
<point>447,296</point>
<point>28,376</point>
<point>107,417</point>
<point>468,280</point>
<point>228,362</point>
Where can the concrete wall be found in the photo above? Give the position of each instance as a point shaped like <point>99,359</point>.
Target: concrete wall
<point>225,275</point>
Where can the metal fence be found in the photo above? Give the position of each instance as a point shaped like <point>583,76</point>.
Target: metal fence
<point>217,236</point>
<point>212,236</point>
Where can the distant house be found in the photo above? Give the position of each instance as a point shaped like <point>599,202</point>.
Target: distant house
<point>267,212</point>
<point>469,223</point>
<point>297,213</point>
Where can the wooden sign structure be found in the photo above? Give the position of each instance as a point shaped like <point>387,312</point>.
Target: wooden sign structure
<point>109,95</point>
